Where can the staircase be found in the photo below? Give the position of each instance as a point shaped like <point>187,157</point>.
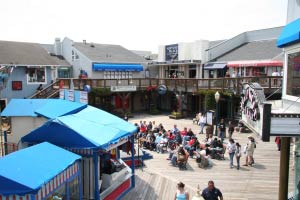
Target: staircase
<point>51,91</point>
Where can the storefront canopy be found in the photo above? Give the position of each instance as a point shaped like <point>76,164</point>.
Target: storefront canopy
<point>290,34</point>
<point>117,67</point>
<point>255,63</point>
<point>90,128</point>
<point>27,170</point>
<point>212,66</point>
<point>48,108</point>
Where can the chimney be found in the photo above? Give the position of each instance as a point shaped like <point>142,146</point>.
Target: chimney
<point>57,47</point>
<point>84,41</point>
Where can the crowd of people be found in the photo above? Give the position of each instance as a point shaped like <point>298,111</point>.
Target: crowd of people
<point>184,144</point>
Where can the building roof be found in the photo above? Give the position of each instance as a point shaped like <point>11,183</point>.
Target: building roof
<point>214,43</point>
<point>108,53</point>
<point>25,171</point>
<point>256,50</point>
<point>48,108</point>
<point>90,128</point>
<point>23,53</point>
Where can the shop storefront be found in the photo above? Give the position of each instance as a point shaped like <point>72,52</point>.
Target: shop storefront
<point>98,137</point>
<point>268,120</point>
<point>289,39</point>
<point>255,67</point>
<point>40,172</point>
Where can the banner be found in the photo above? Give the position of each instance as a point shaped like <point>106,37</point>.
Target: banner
<point>83,97</point>
<point>71,95</point>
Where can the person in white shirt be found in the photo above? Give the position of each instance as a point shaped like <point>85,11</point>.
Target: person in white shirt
<point>202,122</point>
<point>163,142</point>
<point>231,150</point>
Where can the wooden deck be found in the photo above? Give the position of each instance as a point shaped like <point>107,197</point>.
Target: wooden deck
<point>158,179</point>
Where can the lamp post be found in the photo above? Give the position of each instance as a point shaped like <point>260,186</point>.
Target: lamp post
<point>217,98</point>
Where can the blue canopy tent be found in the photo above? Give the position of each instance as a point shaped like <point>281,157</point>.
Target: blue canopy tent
<point>38,172</point>
<point>88,133</point>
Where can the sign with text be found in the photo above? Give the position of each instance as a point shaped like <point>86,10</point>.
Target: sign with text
<point>83,97</point>
<point>256,112</point>
<point>71,95</point>
<point>61,93</point>
<point>171,52</point>
<point>121,88</point>
<point>285,124</point>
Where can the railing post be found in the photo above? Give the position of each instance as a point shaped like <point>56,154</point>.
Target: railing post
<point>270,81</point>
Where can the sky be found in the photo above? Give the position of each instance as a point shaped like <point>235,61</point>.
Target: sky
<point>136,24</point>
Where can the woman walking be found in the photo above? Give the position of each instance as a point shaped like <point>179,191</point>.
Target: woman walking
<point>238,154</point>
<point>231,150</point>
<point>181,194</point>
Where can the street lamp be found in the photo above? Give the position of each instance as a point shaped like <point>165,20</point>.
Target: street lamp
<point>217,98</point>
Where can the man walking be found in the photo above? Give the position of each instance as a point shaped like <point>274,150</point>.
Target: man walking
<point>212,193</point>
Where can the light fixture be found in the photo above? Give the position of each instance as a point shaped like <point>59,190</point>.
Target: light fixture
<point>119,81</point>
<point>131,81</point>
<point>217,96</point>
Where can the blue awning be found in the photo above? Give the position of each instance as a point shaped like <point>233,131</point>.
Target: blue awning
<point>90,128</point>
<point>211,66</point>
<point>26,170</point>
<point>117,67</point>
<point>290,34</point>
<point>48,108</point>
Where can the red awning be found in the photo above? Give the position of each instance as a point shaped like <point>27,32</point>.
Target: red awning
<point>255,63</point>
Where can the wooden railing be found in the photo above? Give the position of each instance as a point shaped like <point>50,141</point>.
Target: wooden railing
<point>269,83</point>
<point>185,85</point>
<point>50,91</point>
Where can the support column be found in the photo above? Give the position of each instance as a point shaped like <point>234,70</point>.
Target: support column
<point>284,168</point>
<point>97,192</point>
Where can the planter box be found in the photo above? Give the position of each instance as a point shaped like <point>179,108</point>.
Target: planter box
<point>175,116</point>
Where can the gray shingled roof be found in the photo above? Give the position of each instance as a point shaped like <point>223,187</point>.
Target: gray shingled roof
<point>257,50</point>
<point>108,53</point>
<point>213,43</point>
<point>22,53</point>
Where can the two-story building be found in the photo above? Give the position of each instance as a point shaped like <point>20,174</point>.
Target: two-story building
<point>252,53</point>
<point>27,66</point>
<point>281,118</point>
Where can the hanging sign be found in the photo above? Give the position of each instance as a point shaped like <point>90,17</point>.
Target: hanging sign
<point>83,97</point>
<point>71,95</point>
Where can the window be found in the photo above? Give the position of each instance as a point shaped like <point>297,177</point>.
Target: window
<point>36,75</point>
<point>74,55</point>
<point>192,71</point>
<point>293,74</point>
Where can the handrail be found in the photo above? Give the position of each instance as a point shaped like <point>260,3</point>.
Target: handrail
<point>173,84</point>
<point>49,90</point>
<point>179,84</point>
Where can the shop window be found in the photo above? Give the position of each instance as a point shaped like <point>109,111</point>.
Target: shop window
<point>74,189</point>
<point>293,74</point>
<point>36,75</point>
<point>192,71</point>
<point>59,194</point>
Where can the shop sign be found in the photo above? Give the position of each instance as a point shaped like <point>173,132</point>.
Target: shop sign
<point>121,88</point>
<point>256,112</point>
<point>83,97</point>
<point>120,142</point>
<point>71,95</point>
<point>285,124</point>
<point>171,52</point>
<point>61,93</point>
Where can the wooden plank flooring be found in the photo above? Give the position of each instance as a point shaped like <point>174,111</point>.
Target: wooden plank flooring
<point>158,179</point>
